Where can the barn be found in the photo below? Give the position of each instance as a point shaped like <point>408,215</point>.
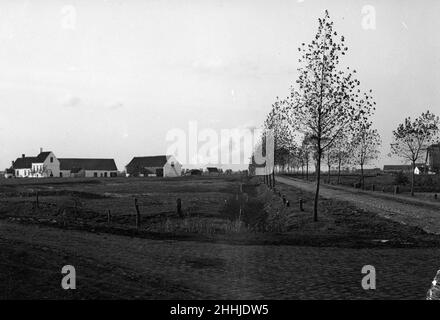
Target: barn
<point>76,167</point>
<point>156,166</point>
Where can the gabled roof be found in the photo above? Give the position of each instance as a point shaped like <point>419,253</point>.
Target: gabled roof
<point>42,157</point>
<point>148,162</point>
<point>24,163</point>
<point>76,165</point>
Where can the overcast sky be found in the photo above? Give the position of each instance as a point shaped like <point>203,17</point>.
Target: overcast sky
<point>110,78</point>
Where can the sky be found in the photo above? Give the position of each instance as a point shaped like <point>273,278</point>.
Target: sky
<point>110,79</point>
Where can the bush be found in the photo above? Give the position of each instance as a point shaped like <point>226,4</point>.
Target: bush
<point>401,179</point>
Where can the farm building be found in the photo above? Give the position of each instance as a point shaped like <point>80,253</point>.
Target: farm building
<point>88,168</point>
<point>45,164</point>
<point>158,166</point>
<point>213,171</point>
<point>433,157</point>
<point>420,168</point>
<point>8,173</point>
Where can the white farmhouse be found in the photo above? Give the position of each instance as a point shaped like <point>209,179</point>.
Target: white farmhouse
<point>45,164</point>
<point>157,166</point>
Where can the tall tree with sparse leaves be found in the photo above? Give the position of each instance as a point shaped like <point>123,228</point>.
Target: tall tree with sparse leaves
<point>365,147</point>
<point>412,137</point>
<point>326,100</point>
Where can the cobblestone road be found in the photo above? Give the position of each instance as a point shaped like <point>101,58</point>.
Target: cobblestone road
<point>214,271</point>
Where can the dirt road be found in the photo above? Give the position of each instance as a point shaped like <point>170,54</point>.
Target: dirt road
<point>419,213</point>
<point>110,266</point>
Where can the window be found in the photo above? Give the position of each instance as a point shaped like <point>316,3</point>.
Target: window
<point>172,164</point>
<point>105,174</point>
<point>95,174</point>
<point>51,159</point>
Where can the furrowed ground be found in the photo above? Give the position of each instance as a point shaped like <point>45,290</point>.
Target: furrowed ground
<point>226,220</point>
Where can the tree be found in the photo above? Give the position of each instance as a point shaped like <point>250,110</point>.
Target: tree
<point>307,149</point>
<point>283,134</point>
<point>326,101</point>
<point>365,147</point>
<point>330,156</point>
<point>341,153</point>
<point>412,137</point>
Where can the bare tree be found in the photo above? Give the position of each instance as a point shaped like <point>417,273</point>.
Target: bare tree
<point>325,101</point>
<point>365,147</point>
<point>412,137</point>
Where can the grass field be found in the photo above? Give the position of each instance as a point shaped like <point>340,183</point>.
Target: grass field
<point>170,256</point>
<point>225,208</point>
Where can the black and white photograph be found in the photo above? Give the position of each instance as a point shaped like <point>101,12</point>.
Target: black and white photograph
<point>219,154</point>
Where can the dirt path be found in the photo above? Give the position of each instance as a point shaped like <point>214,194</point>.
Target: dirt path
<point>110,266</point>
<point>420,213</point>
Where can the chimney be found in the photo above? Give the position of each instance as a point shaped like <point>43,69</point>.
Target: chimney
<point>13,162</point>
<point>23,155</point>
<point>41,150</point>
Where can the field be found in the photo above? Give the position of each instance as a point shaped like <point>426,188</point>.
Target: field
<point>228,208</point>
<point>110,203</point>
<point>231,227</point>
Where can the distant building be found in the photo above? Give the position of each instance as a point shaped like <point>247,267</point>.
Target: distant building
<point>420,168</point>
<point>102,168</point>
<point>44,165</point>
<point>158,166</point>
<point>396,168</point>
<point>433,158</point>
<point>196,172</point>
<point>213,171</point>
<point>9,173</point>
<point>369,171</point>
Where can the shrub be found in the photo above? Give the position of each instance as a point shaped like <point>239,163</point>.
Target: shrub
<point>401,179</point>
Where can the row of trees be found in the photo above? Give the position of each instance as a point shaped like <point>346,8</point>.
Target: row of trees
<point>326,119</point>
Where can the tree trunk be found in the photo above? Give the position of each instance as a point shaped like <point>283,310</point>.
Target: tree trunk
<point>273,177</point>
<point>318,180</point>
<point>339,171</point>
<point>329,168</point>
<point>362,177</point>
<point>413,178</point>
<point>307,171</point>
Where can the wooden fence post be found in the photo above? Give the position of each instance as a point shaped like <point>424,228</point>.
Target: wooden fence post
<point>179,207</point>
<point>138,214</point>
